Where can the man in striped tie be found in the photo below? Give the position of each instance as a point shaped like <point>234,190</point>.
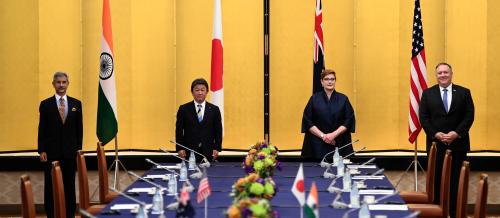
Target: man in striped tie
<point>199,124</point>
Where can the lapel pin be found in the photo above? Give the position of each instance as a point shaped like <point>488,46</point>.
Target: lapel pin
<point>73,109</point>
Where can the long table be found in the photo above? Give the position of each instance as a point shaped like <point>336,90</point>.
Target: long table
<point>222,176</point>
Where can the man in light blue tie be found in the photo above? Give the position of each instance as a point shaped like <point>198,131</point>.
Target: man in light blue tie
<point>446,114</point>
<point>199,123</point>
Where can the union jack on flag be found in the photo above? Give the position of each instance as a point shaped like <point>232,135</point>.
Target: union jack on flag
<point>319,63</point>
<point>418,74</point>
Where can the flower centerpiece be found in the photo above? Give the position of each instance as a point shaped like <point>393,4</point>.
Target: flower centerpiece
<point>261,159</point>
<point>251,208</point>
<point>252,186</point>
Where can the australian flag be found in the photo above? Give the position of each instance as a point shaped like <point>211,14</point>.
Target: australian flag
<point>319,63</point>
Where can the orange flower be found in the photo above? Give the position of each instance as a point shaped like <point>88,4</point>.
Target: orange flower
<point>233,212</point>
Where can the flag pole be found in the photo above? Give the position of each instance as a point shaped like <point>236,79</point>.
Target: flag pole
<point>301,211</point>
<point>206,213</point>
<point>415,167</point>
<point>117,164</point>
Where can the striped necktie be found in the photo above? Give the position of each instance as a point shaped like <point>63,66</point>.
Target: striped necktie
<point>200,115</point>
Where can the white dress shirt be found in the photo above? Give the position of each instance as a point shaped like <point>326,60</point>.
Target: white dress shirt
<point>448,93</point>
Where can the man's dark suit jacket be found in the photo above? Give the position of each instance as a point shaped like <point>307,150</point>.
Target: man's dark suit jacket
<point>191,133</point>
<point>459,118</point>
<point>60,140</point>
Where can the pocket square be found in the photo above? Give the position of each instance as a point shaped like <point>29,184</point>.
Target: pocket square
<point>73,109</point>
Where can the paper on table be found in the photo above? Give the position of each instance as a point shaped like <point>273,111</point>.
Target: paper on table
<point>156,176</point>
<point>128,206</point>
<point>388,207</point>
<point>175,167</point>
<point>346,161</point>
<point>139,190</point>
<point>124,206</point>
<point>368,177</point>
<point>362,166</point>
<point>375,192</point>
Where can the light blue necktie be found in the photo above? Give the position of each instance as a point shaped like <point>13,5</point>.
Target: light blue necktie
<point>445,99</point>
<point>200,116</point>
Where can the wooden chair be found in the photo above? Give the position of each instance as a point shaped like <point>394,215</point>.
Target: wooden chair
<point>105,196</point>
<point>83,187</point>
<point>58,191</point>
<point>441,209</point>
<point>427,197</point>
<point>463,189</point>
<point>28,207</point>
<point>482,197</point>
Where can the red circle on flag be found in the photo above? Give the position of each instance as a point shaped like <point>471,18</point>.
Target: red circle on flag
<point>300,185</point>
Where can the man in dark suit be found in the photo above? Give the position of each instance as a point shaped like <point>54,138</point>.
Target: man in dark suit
<point>60,134</point>
<point>199,124</point>
<point>446,114</point>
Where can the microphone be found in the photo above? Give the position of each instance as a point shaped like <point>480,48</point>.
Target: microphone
<point>331,188</point>
<point>205,164</point>
<point>385,197</point>
<point>337,202</point>
<point>328,175</point>
<point>324,163</point>
<point>373,174</point>
<point>196,175</point>
<point>161,167</point>
<point>190,187</point>
<point>346,214</point>
<point>368,162</point>
<point>128,197</point>
<point>354,152</point>
<point>145,180</point>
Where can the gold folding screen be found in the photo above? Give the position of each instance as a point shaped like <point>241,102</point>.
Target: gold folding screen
<point>160,46</point>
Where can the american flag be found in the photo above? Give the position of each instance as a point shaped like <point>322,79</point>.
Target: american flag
<point>203,190</point>
<point>418,75</point>
<point>319,63</point>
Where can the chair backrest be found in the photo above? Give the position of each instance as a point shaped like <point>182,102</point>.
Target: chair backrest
<point>58,191</point>
<point>28,206</point>
<point>102,168</point>
<point>482,197</point>
<point>445,184</point>
<point>463,189</point>
<point>83,182</point>
<point>431,170</point>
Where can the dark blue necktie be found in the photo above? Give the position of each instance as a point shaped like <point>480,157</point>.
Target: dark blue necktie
<point>445,99</point>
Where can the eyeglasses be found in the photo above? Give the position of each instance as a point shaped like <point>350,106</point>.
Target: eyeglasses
<point>329,79</point>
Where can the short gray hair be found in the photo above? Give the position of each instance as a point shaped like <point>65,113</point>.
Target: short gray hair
<point>60,74</point>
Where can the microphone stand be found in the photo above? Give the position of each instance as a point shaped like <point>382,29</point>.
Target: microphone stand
<point>323,163</point>
<point>196,175</point>
<point>190,187</point>
<point>205,164</point>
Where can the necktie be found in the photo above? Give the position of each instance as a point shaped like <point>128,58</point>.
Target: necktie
<point>200,115</point>
<point>445,99</point>
<point>62,109</point>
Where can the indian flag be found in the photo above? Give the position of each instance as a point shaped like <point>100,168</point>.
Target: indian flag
<point>107,124</point>
<point>311,208</point>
